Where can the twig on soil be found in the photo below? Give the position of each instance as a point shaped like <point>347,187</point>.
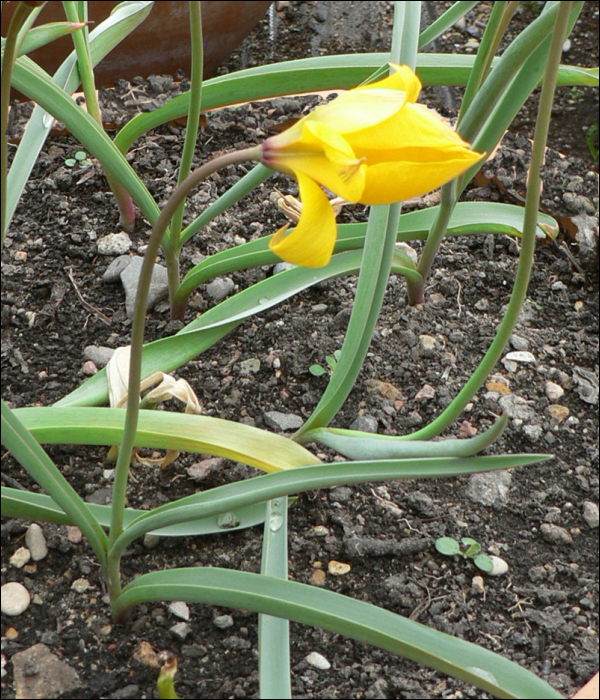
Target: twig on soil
<point>86,304</point>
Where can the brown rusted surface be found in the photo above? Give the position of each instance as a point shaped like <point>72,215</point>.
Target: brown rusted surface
<point>161,44</point>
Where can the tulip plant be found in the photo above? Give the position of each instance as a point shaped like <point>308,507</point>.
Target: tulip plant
<point>373,144</point>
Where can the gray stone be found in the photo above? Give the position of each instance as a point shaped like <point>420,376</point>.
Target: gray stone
<point>587,237</point>
<point>282,267</point>
<point>36,542</point>
<point>555,534</point>
<point>114,270</point>
<point>223,622</point>
<point>489,488</point>
<point>588,384</point>
<point>250,366</point>
<point>40,674</point>
<point>553,391</point>
<point>151,541</point>
<point>366,424</point>
<point>180,609</point>
<point>114,244</point>
<point>130,278</point>
<point>15,599</point>
<point>590,513</point>
<point>98,354</point>
<point>220,288</point>
<point>519,343</point>
<point>319,309</point>
<point>283,421</point>
<point>533,432</point>
<point>427,345</point>
<point>516,407</point>
<point>180,630</point>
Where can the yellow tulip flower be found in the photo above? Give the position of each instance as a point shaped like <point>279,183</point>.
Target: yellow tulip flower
<point>372,145</point>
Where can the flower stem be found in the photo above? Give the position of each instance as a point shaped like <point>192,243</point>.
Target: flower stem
<point>137,341</point>
<point>523,273</point>
<point>416,293</point>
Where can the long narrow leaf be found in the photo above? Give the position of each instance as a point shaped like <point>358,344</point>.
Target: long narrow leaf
<point>103,39</point>
<point>44,34</point>
<point>167,430</point>
<point>169,353</point>
<point>279,484</point>
<point>380,240</point>
<point>312,75</point>
<point>274,632</point>
<point>341,615</point>
<point>41,507</point>
<point>358,445</point>
<point>32,81</point>
<point>467,218</point>
<point>29,453</point>
<point>457,11</point>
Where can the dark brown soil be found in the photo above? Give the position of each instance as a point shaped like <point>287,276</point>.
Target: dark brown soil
<point>542,614</point>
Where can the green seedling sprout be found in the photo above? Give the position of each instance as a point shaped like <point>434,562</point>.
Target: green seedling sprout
<point>319,370</point>
<point>80,158</point>
<point>449,546</point>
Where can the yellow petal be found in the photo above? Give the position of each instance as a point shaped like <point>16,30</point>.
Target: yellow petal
<point>335,167</point>
<point>415,128</point>
<point>403,78</point>
<point>397,181</point>
<point>311,243</point>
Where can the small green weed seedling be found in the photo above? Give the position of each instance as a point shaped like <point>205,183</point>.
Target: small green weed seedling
<point>449,546</point>
<point>319,370</point>
<point>79,159</point>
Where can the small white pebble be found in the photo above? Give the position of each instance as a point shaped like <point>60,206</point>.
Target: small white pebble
<point>20,557</point>
<point>180,609</point>
<point>81,585</point>
<point>499,568</point>
<point>520,356</point>
<point>318,661</point>
<point>15,598</point>
<point>36,542</point>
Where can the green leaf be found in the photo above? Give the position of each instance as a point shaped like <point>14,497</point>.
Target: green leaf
<point>262,488</point>
<point>169,353</point>
<point>473,548</point>
<point>356,444</point>
<point>39,506</point>
<point>341,615</point>
<point>483,562</point>
<point>375,267</point>
<point>445,21</point>
<point>467,218</point>
<point>274,632</point>
<point>447,545</point>
<point>29,453</point>
<point>167,430</point>
<point>315,74</point>
<point>124,19</point>
<point>45,34</point>
<point>317,370</point>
